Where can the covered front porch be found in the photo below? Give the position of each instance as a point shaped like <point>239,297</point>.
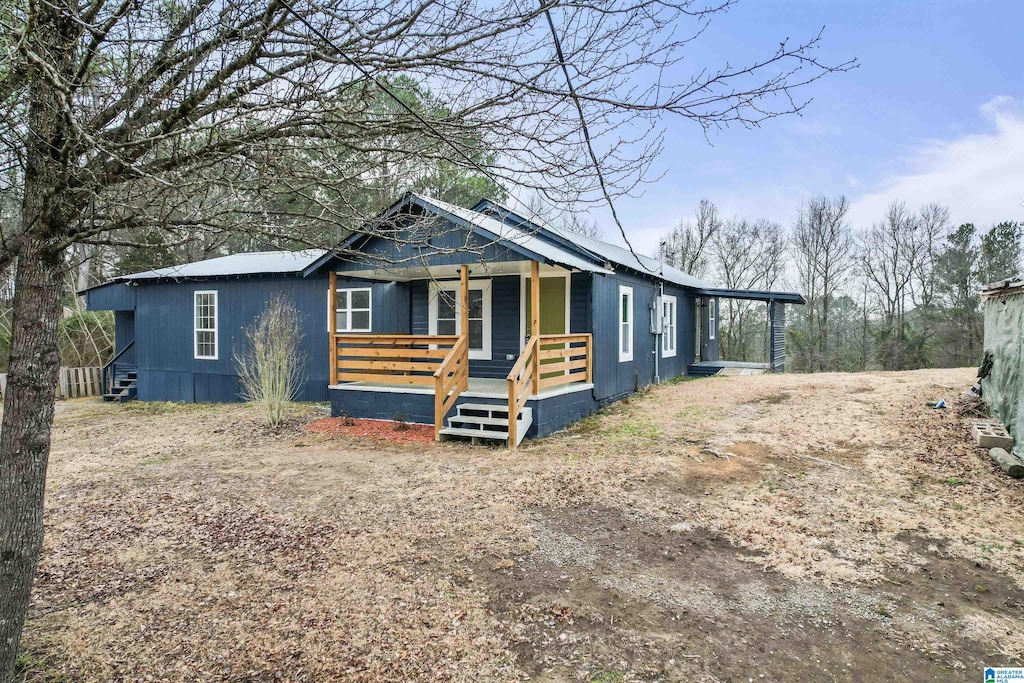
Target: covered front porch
<point>501,368</point>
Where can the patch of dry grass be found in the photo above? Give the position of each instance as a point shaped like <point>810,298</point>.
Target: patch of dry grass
<point>192,542</point>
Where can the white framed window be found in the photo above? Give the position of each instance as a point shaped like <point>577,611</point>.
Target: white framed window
<point>625,324</point>
<point>354,309</point>
<point>668,329</point>
<point>712,327</point>
<point>204,325</point>
<point>446,318</point>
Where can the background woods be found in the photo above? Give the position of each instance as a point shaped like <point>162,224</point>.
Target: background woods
<point>899,294</point>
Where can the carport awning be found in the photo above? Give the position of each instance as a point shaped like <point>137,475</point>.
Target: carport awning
<point>753,295</point>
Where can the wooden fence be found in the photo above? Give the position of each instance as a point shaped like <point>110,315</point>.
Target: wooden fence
<point>72,382</point>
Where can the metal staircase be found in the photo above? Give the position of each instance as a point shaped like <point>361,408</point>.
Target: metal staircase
<point>484,421</point>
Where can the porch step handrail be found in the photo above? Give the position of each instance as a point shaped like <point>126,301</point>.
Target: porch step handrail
<point>111,367</point>
<point>450,379</point>
<point>390,358</point>
<point>520,387</point>
<point>564,359</point>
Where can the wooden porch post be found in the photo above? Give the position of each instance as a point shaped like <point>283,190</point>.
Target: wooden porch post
<point>535,321</point>
<point>464,300</point>
<point>332,325</point>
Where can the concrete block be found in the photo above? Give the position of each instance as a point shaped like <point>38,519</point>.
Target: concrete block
<point>991,435</point>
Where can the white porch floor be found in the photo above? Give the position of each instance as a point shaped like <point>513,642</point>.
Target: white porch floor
<point>479,387</point>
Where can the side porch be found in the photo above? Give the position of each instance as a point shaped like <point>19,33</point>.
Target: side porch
<point>536,380</point>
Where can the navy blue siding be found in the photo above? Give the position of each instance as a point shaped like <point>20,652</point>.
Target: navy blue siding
<point>124,334</point>
<point>580,312</point>
<point>612,378</point>
<point>167,369</point>
<point>558,412</point>
<point>506,329</point>
<point>114,296</point>
<point>549,414</point>
<point>676,365</point>
<point>380,405</point>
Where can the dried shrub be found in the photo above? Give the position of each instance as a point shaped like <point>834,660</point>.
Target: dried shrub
<point>270,366</point>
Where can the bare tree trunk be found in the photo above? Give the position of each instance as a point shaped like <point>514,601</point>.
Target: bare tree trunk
<point>34,355</point>
<point>25,436</point>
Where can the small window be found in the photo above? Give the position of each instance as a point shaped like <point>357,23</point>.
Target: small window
<point>353,310</point>
<point>625,324</point>
<point>712,327</point>
<point>668,334</point>
<point>205,325</point>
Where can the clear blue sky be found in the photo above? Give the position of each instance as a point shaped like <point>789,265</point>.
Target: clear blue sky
<point>935,112</point>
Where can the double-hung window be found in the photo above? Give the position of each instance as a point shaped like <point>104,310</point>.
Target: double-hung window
<point>625,310</point>
<point>354,308</point>
<point>205,325</point>
<point>668,329</point>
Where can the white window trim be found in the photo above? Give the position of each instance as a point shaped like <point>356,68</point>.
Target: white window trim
<point>666,325</point>
<point>625,357</point>
<point>350,290</point>
<point>524,325</point>
<point>216,325</point>
<point>712,311</point>
<point>484,286</point>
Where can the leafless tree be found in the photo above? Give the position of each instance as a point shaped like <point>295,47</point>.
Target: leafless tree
<point>687,247</point>
<point>563,217</point>
<point>238,117</point>
<point>890,251</point>
<point>823,247</point>
<point>747,255</point>
<point>933,223</point>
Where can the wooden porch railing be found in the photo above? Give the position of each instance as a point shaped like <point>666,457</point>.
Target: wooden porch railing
<point>565,358</point>
<point>520,387</point>
<point>450,380</point>
<point>548,360</point>
<point>390,358</point>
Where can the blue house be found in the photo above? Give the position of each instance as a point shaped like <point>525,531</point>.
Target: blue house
<point>483,322</point>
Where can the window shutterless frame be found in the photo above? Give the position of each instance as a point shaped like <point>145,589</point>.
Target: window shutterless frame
<point>204,324</point>
<point>668,334</point>
<point>625,312</point>
<point>354,309</point>
<point>712,314</point>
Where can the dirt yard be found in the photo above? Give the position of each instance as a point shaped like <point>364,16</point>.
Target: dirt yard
<point>770,528</point>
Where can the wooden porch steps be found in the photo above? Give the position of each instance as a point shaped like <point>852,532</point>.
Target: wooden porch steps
<point>486,421</point>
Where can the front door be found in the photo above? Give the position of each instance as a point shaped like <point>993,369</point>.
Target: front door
<point>554,318</point>
<point>553,313</point>
<point>446,314</point>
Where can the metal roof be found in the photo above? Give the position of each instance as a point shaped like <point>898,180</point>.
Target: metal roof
<point>647,265</point>
<point>612,253</point>
<point>253,263</point>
